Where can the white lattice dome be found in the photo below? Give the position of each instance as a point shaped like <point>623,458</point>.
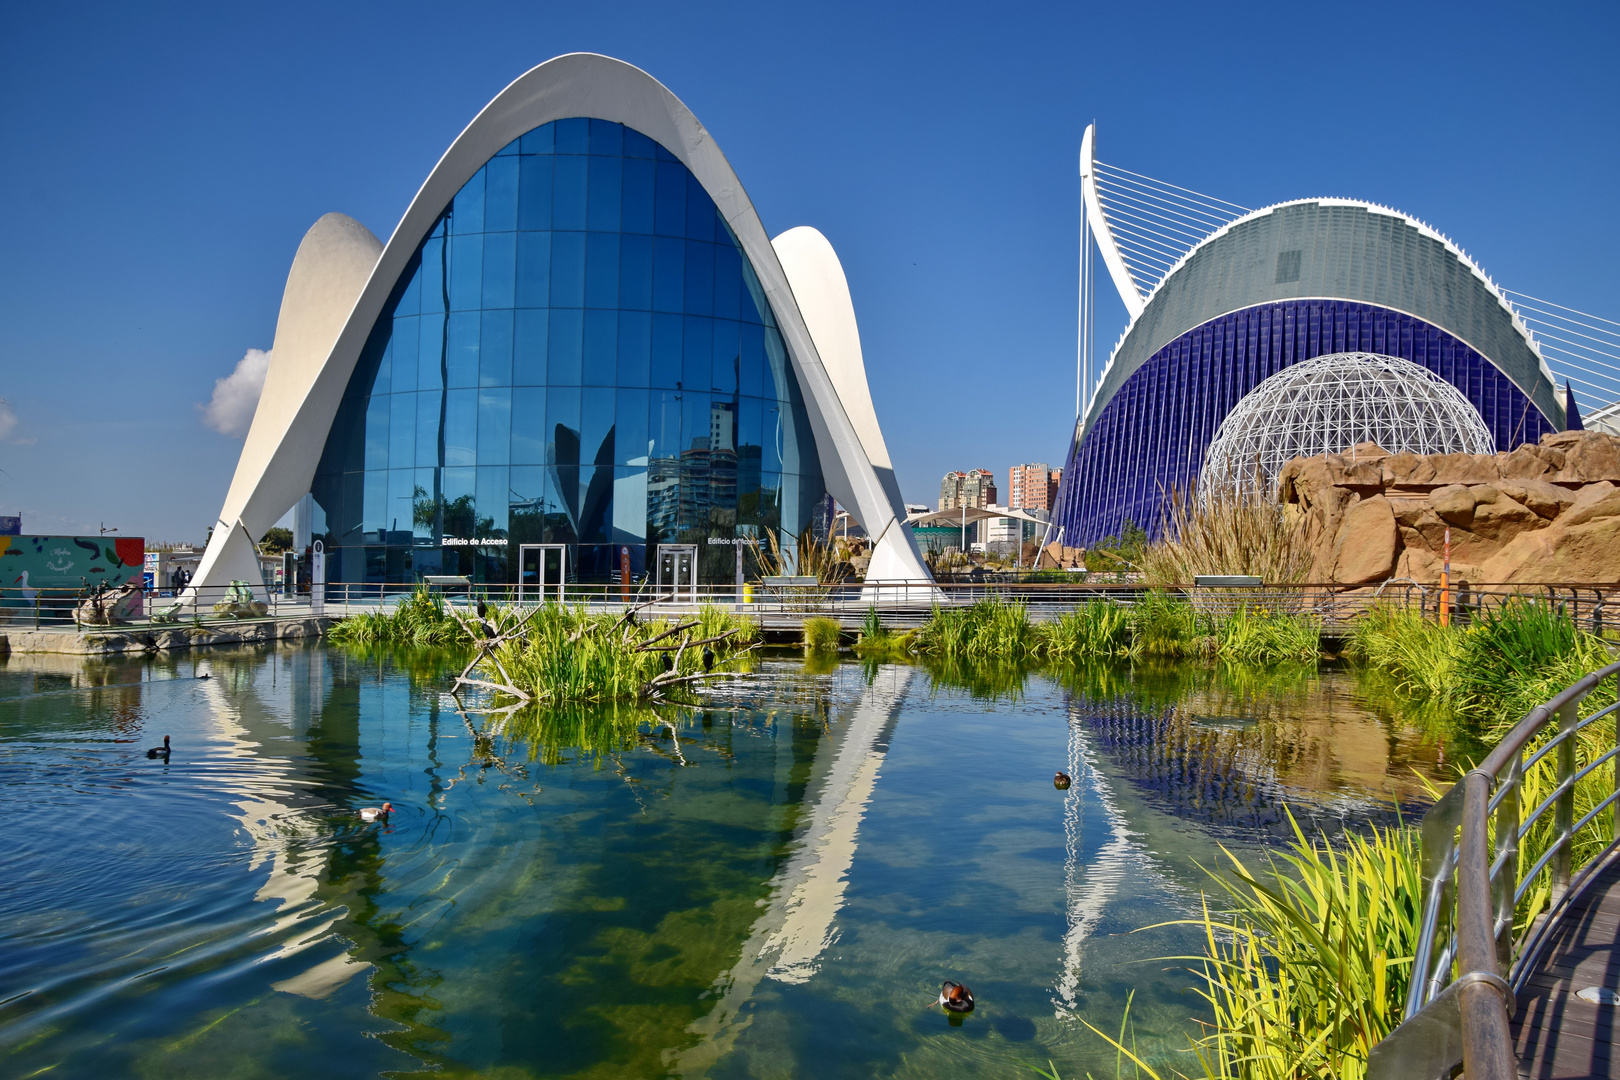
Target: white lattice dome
<point>1329,404</point>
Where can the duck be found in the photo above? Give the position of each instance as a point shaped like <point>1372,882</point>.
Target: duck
<point>160,751</point>
<point>669,662</point>
<point>708,658</point>
<point>1061,781</point>
<point>955,997</point>
<point>372,813</point>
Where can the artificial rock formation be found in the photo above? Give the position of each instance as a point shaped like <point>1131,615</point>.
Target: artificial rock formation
<point>1545,512</point>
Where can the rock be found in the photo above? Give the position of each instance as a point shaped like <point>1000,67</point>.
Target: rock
<point>1367,544</point>
<point>1548,500</point>
<point>1591,458</point>
<point>1455,505</point>
<point>1597,501</point>
<point>1501,519</point>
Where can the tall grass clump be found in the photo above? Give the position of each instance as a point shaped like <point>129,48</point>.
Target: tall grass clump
<point>1247,636</point>
<point>1420,657</point>
<point>1164,627</point>
<point>419,619</point>
<point>1095,630</point>
<point>877,642</point>
<point>822,634</point>
<point>992,629</point>
<point>569,654</point>
<point>1227,535</point>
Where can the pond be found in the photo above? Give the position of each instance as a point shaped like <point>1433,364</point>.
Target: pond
<point>772,885</point>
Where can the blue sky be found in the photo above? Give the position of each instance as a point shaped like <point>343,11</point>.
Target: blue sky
<point>162,162</point>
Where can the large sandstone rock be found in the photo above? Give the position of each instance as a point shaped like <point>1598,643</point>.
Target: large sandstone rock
<point>1545,512</point>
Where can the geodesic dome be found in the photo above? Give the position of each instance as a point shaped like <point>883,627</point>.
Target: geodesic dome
<point>1329,404</point>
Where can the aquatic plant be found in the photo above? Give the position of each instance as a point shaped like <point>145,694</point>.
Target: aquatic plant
<point>877,643</point>
<point>419,619</point>
<point>993,629</point>
<point>1164,626</point>
<point>1093,630</point>
<point>1263,637</point>
<point>822,634</point>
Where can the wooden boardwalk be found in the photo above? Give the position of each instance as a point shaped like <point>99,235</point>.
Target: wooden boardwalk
<point>1558,1035</point>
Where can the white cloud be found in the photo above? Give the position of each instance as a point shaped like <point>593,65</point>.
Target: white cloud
<point>230,410</point>
<point>8,420</point>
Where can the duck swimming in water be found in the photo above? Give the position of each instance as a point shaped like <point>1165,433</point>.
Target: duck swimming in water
<point>1061,781</point>
<point>160,751</point>
<point>955,997</point>
<point>372,813</point>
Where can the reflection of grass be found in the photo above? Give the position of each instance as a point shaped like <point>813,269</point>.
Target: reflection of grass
<point>595,730</point>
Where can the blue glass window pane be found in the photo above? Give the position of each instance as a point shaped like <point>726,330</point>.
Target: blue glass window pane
<point>607,138</point>
<point>700,215</point>
<point>630,426</point>
<point>410,298</point>
<point>669,274</point>
<point>495,349</point>
<point>562,425</point>
<point>603,205</point>
<point>466,272</point>
<point>396,514</point>
<point>601,270</point>
<point>567,269</point>
<point>697,350</point>
<point>385,365</point>
<point>596,425</point>
<point>694,421</point>
<point>461,350</point>
<point>534,193</point>
<point>460,493</point>
<point>565,347</point>
<point>508,150</point>
<point>492,499</point>
<point>401,430</point>
<point>494,425</point>
<point>596,508</point>
<point>528,425</point>
<point>568,192</point>
<point>427,427</point>
<point>573,136</point>
<point>635,348</point>
<point>377,410</point>
<point>637,145</point>
<point>727,281</point>
<point>699,279</point>
<point>669,215</point>
<point>664,423</point>
<point>534,270</point>
<point>630,509</point>
<point>433,276</point>
<point>635,272</point>
<point>460,427</point>
<point>374,502</point>
<point>636,214</point>
<point>402,354</point>
<point>500,194</point>
<point>666,351</point>
<point>770,458</point>
<point>529,347</point>
<point>750,421</point>
<point>430,354</point>
<point>467,209</point>
<point>601,348</point>
<point>777,367</point>
<point>727,356</point>
<point>538,141</point>
<point>500,266</point>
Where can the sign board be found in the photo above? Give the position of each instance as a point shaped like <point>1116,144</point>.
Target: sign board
<point>317,579</point>
<point>72,564</point>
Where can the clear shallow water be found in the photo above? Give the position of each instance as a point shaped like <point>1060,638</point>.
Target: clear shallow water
<point>771,886</point>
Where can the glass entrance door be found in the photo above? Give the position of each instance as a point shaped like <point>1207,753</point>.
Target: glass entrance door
<point>677,572</point>
<point>541,571</point>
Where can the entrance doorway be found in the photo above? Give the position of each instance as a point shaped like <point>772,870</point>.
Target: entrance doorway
<point>677,572</point>
<point>542,569</point>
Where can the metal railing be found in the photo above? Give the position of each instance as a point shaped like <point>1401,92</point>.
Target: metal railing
<point>901,604</point>
<point>1467,963</point>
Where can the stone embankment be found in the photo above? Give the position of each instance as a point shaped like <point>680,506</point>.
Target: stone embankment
<point>111,640</point>
<point>1546,512</point>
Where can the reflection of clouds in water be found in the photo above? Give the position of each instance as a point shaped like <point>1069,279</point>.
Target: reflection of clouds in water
<point>789,937</point>
<point>1089,886</point>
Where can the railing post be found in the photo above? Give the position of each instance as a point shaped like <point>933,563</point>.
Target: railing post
<point>1483,1000</point>
<point>1564,808</point>
<point>1507,850</point>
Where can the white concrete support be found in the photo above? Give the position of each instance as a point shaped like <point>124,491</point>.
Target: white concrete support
<point>1129,295</point>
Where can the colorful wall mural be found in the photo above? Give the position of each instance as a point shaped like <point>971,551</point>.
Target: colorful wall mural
<point>64,566</point>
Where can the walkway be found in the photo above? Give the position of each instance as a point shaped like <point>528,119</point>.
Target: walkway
<point>1558,1035</point>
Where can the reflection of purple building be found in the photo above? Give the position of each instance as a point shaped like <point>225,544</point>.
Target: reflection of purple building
<point>1258,293</point>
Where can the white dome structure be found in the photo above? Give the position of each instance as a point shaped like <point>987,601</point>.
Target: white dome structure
<point>1329,404</point>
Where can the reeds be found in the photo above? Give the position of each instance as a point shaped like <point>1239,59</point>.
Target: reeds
<point>1227,535</point>
<point>419,619</point>
<point>822,634</point>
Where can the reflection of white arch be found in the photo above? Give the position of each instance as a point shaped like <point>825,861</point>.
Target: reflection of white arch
<point>575,85</point>
<point>790,934</point>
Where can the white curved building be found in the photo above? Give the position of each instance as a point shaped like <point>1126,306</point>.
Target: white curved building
<point>579,345</point>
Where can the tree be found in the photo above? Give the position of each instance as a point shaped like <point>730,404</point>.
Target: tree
<point>276,540</point>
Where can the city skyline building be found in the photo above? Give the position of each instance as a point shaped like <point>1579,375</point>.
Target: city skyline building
<point>975,488</point>
<point>579,336</point>
<point>1221,297</point>
<point>1032,486</point>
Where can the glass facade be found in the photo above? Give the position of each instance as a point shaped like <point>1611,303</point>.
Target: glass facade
<point>1150,439</point>
<point>578,354</point>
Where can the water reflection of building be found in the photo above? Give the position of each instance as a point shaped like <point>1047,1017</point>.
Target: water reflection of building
<point>579,334</point>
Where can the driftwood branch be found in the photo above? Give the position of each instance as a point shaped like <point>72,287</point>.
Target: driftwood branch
<point>695,644</point>
<point>667,633</point>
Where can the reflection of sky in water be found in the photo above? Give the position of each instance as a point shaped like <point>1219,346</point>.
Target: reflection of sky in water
<point>776,887</point>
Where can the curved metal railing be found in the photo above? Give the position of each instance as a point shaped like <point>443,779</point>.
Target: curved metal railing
<point>1467,963</point>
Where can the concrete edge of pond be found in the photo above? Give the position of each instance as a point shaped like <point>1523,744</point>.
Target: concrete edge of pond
<point>111,640</point>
